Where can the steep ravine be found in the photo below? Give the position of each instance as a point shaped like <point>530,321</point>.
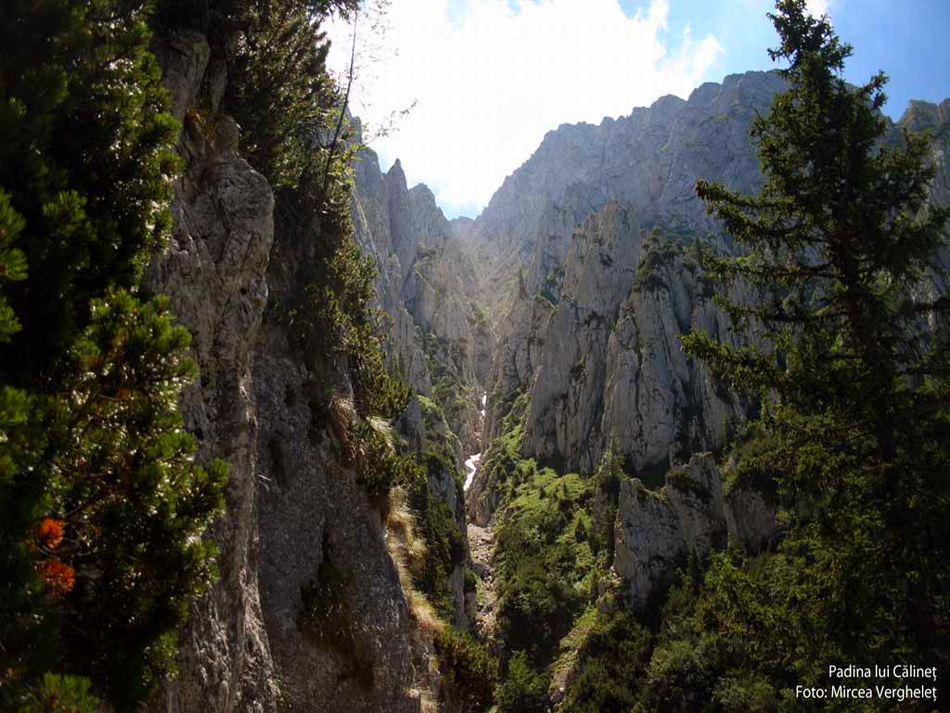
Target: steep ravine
<point>591,259</point>
<point>541,342</point>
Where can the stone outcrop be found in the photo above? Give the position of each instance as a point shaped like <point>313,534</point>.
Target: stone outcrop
<point>569,385</point>
<point>589,309</point>
<point>214,272</point>
<point>612,369</point>
<point>655,532</point>
<point>649,160</point>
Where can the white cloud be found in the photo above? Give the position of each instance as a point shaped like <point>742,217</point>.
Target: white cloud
<point>490,84</point>
<point>818,7</point>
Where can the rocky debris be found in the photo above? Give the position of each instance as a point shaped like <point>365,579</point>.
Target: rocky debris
<point>655,532</point>
<point>214,272</point>
<point>481,546</point>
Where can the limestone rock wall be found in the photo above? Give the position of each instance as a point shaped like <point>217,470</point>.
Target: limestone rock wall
<point>649,160</point>
<point>427,284</point>
<point>568,389</point>
<point>612,369</point>
<point>648,163</point>
<point>214,271</point>
<point>299,532</point>
<point>655,532</point>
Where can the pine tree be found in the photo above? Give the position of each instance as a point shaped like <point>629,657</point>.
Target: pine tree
<point>101,507</point>
<point>855,424</point>
<point>86,158</point>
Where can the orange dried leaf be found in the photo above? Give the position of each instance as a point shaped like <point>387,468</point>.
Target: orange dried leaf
<point>50,532</point>
<point>59,577</point>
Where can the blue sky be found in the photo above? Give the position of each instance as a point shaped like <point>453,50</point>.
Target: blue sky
<point>488,78</point>
<point>907,39</point>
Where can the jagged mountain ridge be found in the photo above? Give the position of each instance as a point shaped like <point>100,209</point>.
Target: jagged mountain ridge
<point>649,160</point>
<point>639,390</point>
<point>531,238</point>
<point>427,286</point>
<point>294,505</point>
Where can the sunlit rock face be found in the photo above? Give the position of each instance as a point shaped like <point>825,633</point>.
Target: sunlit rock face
<point>214,271</point>
<point>636,386</point>
<point>297,518</point>
<point>656,532</point>
<point>559,295</point>
<point>649,160</point>
<point>427,286</point>
<point>599,354</point>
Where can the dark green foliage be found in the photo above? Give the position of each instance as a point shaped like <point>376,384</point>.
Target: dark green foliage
<point>102,508</point>
<point>523,690</point>
<point>278,89</point>
<point>446,361</point>
<point>855,429</point>
<point>469,672</point>
<point>610,474</point>
<point>86,158</point>
<point>133,503</point>
<point>334,323</point>
<point>549,555</point>
<point>550,288</point>
<point>438,527</point>
<point>113,472</point>
<point>12,264</point>
<point>378,468</point>
<point>611,663</point>
<point>64,694</point>
<point>554,545</point>
<point>660,252</point>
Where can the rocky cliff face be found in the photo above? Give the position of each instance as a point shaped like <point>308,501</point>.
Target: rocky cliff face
<point>214,272</point>
<point>586,355</point>
<point>655,532</point>
<point>441,337</point>
<point>613,370</point>
<point>649,160</point>
<point>309,612</point>
<point>601,360</point>
<point>569,386</point>
<point>321,540</point>
<point>935,119</point>
<point>589,313</point>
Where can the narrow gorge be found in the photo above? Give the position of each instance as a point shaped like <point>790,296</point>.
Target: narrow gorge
<point>541,344</point>
<point>475,464</point>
